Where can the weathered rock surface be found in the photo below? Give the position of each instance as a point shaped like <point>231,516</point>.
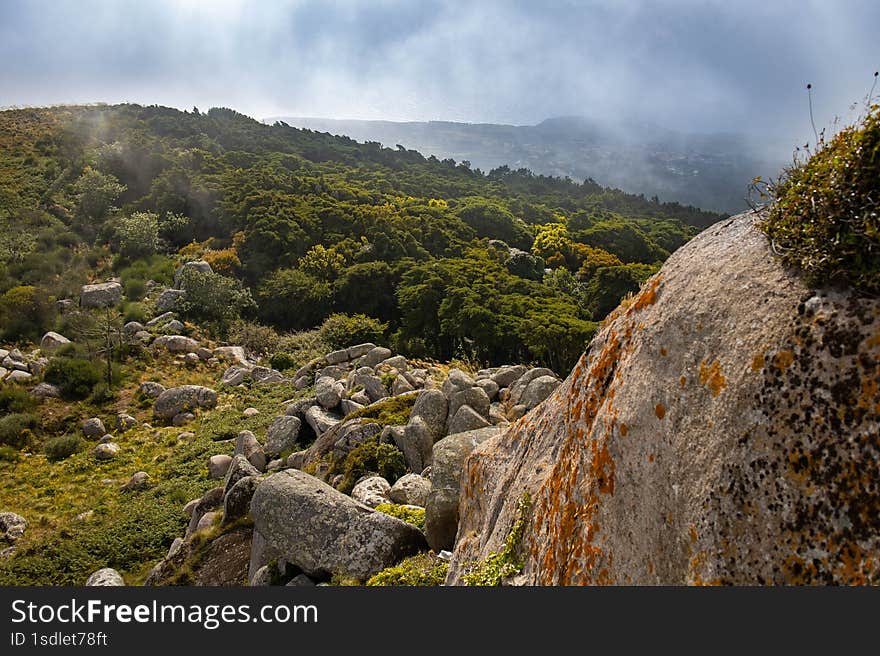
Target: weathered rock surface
<point>176,343</point>
<point>52,342</point>
<point>282,434</point>
<point>372,491</point>
<point>183,399</point>
<point>441,508</point>
<point>105,294</point>
<point>723,427</point>
<point>12,526</point>
<point>105,577</point>
<point>411,490</point>
<point>323,531</point>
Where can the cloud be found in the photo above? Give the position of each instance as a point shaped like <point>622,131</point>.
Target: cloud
<point>702,65</point>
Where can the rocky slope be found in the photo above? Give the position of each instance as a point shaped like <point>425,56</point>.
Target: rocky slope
<point>723,427</point>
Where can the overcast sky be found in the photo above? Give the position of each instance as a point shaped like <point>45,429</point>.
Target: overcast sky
<point>736,65</point>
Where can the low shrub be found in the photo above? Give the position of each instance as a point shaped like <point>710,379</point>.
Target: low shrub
<point>75,377</point>
<point>393,411</point>
<point>15,399</point>
<point>255,337</point>
<point>408,514</point>
<point>371,456</point>
<point>17,428</point>
<point>63,446</point>
<point>282,361</point>
<point>825,215</point>
<point>8,454</point>
<point>420,570</point>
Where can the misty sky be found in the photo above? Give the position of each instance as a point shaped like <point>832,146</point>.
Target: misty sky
<point>739,65</point>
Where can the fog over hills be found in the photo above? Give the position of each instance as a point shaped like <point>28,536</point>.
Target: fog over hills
<point>707,170</point>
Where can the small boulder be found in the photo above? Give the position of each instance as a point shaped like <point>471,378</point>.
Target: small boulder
<point>322,531</point>
<point>329,392</point>
<point>467,419</point>
<point>372,491</point>
<point>218,465</point>
<point>150,389</point>
<point>506,376</point>
<point>182,418</point>
<point>359,350</point>
<point>125,422</point>
<point>374,357</point>
<point>169,299</point>
<point>232,353</point>
<point>184,398</point>
<point>456,381</point>
<point>138,481</point>
<point>239,468</point>
<point>45,391</point>
<point>411,490</point>
<point>52,342</point>
<point>196,265</point>
<point>12,526</point>
<point>247,413</point>
<point>106,451</point>
<point>18,376</point>
<point>282,435</point>
<point>237,500</point>
<point>247,445</point>
<point>538,390</point>
<point>106,577</point>
<point>102,295</point>
<point>234,375</point>
<point>321,420</point>
<point>176,343</point>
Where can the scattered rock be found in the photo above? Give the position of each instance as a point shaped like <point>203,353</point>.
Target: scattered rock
<point>467,419</point>
<point>372,491</point>
<point>247,445</point>
<point>196,265</point>
<point>181,399</point>
<point>169,299</point>
<point>52,342</point>
<point>125,422</point>
<point>250,412</point>
<point>150,389</point>
<point>374,357</point>
<point>323,531</point>
<point>218,465</point>
<point>182,418</point>
<point>45,391</point>
<point>138,481</point>
<point>238,469</point>
<point>441,509</point>
<point>234,375</point>
<point>18,376</point>
<point>237,501</point>
<point>506,376</point>
<point>538,390</point>
<point>282,435</point>
<point>321,420</point>
<point>360,350</point>
<point>162,319</point>
<point>411,490</point>
<point>456,381</point>
<point>12,526</point>
<point>102,295</point>
<point>176,343</point>
<point>328,392</point>
<point>106,451</point>
<point>232,353</point>
<point>106,577</point>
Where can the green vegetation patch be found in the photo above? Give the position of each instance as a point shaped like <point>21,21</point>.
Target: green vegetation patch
<point>408,514</point>
<point>420,570</point>
<point>394,411</point>
<point>371,456</point>
<point>825,218</point>
<point>508,562</point>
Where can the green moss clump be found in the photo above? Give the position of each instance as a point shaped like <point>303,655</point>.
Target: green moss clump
<point>825,218</point>
<point>371,456</point>
<point>394,411</point>
<point>410,515</point>
<point>63,446</point>
<point>503,564</point>
<point>420,570</point>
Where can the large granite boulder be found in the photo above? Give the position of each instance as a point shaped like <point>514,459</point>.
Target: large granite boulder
<point>185,398</point>
<point>721,428</point>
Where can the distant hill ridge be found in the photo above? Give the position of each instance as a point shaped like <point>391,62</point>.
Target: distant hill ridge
<point>711,171</point>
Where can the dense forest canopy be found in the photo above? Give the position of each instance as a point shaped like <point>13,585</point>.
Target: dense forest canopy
<point>297,225</point>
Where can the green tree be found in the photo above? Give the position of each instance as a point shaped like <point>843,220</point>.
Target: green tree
<point>137,235</point>
<point>25,313</point>
<point>214,298</point>
<point>294,300</point>
<point>96,194</point>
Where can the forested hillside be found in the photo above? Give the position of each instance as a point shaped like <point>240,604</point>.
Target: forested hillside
<point>297,225</point>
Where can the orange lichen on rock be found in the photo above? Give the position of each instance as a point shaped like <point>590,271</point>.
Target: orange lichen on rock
<point>660,410</point>
<point>758,362</point>
<point>711,377</point>
<point>783,359</point>
<point>648,295</point>
<point>624,430</point>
